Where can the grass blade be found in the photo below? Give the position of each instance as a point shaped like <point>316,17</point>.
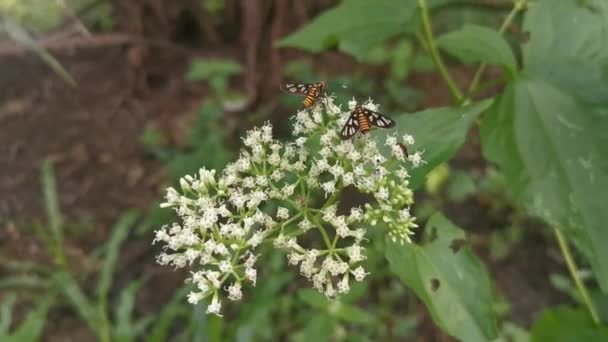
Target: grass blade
<point>124,329</point>
<point>24,281</point>
<point>33,326</point>
<point>23,38</point>
<point>73,293</point>
<point>119,234</point>
<point>176,306</point>
<point>6,314</point>
<point>51,202</point>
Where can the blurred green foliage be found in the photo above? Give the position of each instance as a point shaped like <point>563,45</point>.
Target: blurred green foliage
<point>43,15</point>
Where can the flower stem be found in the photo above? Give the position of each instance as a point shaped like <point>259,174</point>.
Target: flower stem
<point>563,245</point>
<point>517,6</point>
<point>432,49</point>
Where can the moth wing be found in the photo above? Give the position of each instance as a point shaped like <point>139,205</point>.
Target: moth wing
<point>301,89</point>
<point>351,127</point>
<point>378,119</point>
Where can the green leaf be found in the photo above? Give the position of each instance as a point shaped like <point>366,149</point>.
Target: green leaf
<point>24,281</point>
<point>570,33</point>
<point>33,326</point>
<point>547,131</point>
<point>353,314</point>
<point>207,69</point>
<point>567,324</point>
<point>313,298</point>
<point>124,329</point>
<point>355,26</point>
<point>51,202</point>
<point>6,312</point>
<point>76,297</point>
<point>318,328</point>
<point>552,151</point>
<point>439,133</point>
<point>119,234</point>
<point>169,313</point>
<point>473,43</point>
<point>449,279</point>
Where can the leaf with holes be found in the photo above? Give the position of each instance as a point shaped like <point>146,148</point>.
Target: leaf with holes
<point>449,279</point>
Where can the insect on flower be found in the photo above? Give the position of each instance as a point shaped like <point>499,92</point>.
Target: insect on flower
<point>361,119</point>
<point>404,149</point>
<point>312,91</point>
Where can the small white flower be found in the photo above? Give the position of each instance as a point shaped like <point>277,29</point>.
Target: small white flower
<point>416,159</point>
<point>215,306</point>
<point>408,139</point>
<point>251,275</point>
<point>352,103</point>
<point>305,224</point>
<point>370,105</point>
<point>390,140</point>
<point>343,286</point>
<point>355,253</point>
<point>195,297</point>
<point>329,187</point>
<point>282,213</point>
<point>234,292</point>
<point>225,266</point>
<point>359,273</point>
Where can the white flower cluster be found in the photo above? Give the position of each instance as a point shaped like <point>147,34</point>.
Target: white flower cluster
<point>280,192</point>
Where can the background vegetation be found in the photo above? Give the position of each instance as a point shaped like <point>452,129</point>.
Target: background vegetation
<point>106,103</point>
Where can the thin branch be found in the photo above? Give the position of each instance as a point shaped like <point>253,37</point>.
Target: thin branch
<point>517,6</point>
<point>563,245</point>
<point>432,47</point>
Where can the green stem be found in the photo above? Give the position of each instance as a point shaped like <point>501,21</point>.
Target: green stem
<point>563,245</point>
<point>517,6</point>
<point>432,48</point>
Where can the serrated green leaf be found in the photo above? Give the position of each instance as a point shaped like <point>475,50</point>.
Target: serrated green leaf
<point>355,26</point>
<point>439,133</point>
<point>565,324</point>
<point>449,279</point>
<point>473,43</point>
<point>547,131</point>
<point>551,149</point>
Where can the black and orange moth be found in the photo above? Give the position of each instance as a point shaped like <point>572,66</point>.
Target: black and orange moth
<point>312,91</point>
<point>361,119</point>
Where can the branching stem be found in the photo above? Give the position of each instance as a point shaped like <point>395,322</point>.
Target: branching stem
<point>517,6</point>
<point>432,49</point>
